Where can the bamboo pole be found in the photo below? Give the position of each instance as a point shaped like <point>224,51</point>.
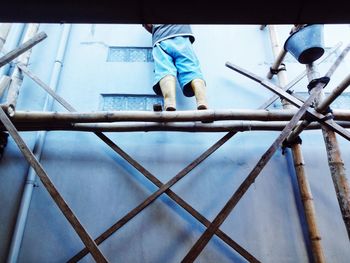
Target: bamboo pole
<point>279,56</point>
<point>149,116</point>
<point>299,166</point>
<point>335,162</point>
<point>4,31</point>
<point>227,126</point>
<point>50,187</point>
<point>16,76</point>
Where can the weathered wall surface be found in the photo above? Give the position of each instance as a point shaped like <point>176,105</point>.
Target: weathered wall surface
<point>101,187</point>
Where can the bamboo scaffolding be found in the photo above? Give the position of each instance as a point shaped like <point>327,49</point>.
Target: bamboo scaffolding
<point>299,166</point>
<point>16,76</point>
<point>232,202</point>
<point>4,31</point>
<point>50,187</point>
<point>335,162</point>
<point>122,221</point>
<point>163,188</point>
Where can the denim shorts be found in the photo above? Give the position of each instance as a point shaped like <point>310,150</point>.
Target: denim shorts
<point>175,56</point>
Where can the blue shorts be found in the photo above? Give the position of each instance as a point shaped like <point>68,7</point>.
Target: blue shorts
<point>175,56</point>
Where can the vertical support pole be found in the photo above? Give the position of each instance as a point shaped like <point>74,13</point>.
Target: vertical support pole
<point>4,31</point>
<point>299,165</point>
<point>17,77</point>
<point>335,162</point>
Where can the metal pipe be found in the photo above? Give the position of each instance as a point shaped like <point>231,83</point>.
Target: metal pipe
<point>31,176</point>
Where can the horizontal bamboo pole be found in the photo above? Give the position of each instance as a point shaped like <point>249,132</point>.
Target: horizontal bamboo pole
<point>150,116</point>
<point>227,126</point>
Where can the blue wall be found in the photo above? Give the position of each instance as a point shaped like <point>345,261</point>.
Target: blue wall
<point>101,187</point>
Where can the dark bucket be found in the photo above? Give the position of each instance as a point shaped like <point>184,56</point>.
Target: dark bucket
<point>306,44</point>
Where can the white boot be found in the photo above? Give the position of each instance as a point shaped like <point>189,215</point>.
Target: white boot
<point>199,89</point>
<point>168,88</point>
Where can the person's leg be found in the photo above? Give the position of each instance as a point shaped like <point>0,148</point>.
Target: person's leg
<point>199,89</point>
<point>189,73</point>
<point>168,88</point>
<point>164,77</point>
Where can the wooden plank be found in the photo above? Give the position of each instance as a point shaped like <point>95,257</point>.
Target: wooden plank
<point>232,202</point>
<point>22,48</point>
<point>50,187</point>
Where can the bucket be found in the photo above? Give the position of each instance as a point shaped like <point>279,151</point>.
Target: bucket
<point>306,44</point>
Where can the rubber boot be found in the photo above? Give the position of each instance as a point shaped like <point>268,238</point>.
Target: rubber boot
<point>199,89</point>
<point>168,88</point>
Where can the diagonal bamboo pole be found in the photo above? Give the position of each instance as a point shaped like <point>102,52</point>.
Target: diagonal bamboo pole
<point>278,90</point>
<point>232,202</point>
<point>295,80</point>
<point>163,188</point>
<point>299,166</point>
<point>279,57</point>
<point>50,187</point>
<point>8,57</point>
